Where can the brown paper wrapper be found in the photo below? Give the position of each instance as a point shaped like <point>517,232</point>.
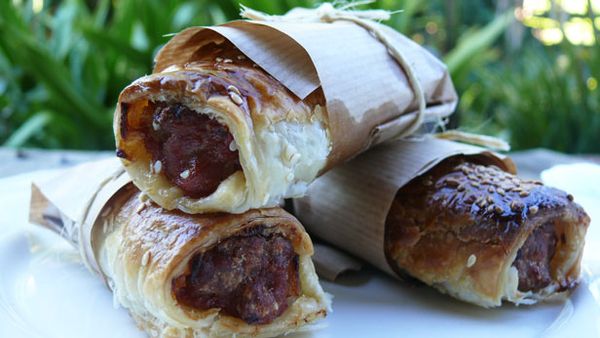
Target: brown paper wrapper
<point>72,201</point>
<point>368,97</point>
<point>348,206</point>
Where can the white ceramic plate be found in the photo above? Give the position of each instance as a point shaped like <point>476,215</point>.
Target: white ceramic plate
<point>46,292</point>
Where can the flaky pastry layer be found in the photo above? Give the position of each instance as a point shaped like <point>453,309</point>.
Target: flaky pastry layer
<point>283,142</point>
<point>463,229</point>
<point>146,247</point>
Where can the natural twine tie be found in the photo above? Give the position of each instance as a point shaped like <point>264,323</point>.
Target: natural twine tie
<point>364,18</point>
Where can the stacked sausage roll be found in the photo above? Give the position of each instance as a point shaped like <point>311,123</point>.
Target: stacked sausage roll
<point>210,130</point>
<point>209,275</point>
<point>181,275</point>
<point>219,134</point>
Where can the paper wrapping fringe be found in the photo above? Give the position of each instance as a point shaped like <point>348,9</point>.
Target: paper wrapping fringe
<point>347,207</point>
<point>378,84</point>
<point>73,202</point>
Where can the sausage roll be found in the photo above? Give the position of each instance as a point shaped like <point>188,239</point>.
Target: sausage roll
<point>219,134</point>
<point>484,236</point>
<point>210,130</point>
<point>189,276</point>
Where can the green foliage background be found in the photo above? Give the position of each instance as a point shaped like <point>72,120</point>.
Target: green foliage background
<point>63,65</point>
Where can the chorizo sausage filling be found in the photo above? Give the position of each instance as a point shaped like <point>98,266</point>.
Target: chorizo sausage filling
<point>534,257</point>
<point>195,152</point>
<point>252,276</point>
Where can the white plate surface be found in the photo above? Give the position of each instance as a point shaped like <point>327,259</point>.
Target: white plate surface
<point>46,292</point>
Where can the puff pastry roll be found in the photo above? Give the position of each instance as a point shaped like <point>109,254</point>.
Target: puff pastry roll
<point>189,276</point>
<point>212,131</point>
<point>219,135</point>
<point>483,235</point>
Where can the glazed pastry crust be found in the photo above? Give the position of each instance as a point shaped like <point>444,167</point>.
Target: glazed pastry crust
<point>460,226</point>
<point>283,142</point>
<point>145,247</point>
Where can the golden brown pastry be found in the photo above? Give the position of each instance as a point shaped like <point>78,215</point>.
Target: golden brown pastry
<point>219,134</point>
<point>483,235</point>
<point>212,131</point>
<point>211,275</point>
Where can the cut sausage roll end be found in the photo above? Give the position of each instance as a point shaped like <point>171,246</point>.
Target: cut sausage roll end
<point>211,275</point>
<point>485,236</point>
<point>219,134</point>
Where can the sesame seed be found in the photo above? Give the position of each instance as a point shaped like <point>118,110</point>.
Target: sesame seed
<point>501,191</point>
<point>482,203</point>
<point>533,209</point>
<point>471,261</point>
<point>105,212</point>
<point>498,209</point>
<point>427,183</point>
<point>490,189</point>
<point>185,174</point>
<point>227,61</point>
<point>451,182</point>
<point>241,57</point>
<point>233,146</point>
<point>472,177</point>
<point>234,89</point>
<point>142,197</point>
<point>294,158</point>
<point>524,193</point>
<point>516,205</point>
<point>490,208</point>
<point>218,59</point>
<point>139,208</point>
<point>157,167</point>
<point>146,258</point>
<point>475,184</point>
<point>461,187</point>
<point>489,198</point>
<point>236,98</point>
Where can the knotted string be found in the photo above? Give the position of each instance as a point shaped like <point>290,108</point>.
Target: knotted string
<point>364,18</point>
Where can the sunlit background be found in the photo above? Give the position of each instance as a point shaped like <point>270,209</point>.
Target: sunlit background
<point>526,70</point>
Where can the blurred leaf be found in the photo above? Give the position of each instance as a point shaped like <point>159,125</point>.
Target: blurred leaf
<point>75,56</point>
<point>40,64</point>
<point>63,37</point>
<point>139,39</point>
<point>31,127</point>
<point>476,42</point>
<point>106,40</point>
